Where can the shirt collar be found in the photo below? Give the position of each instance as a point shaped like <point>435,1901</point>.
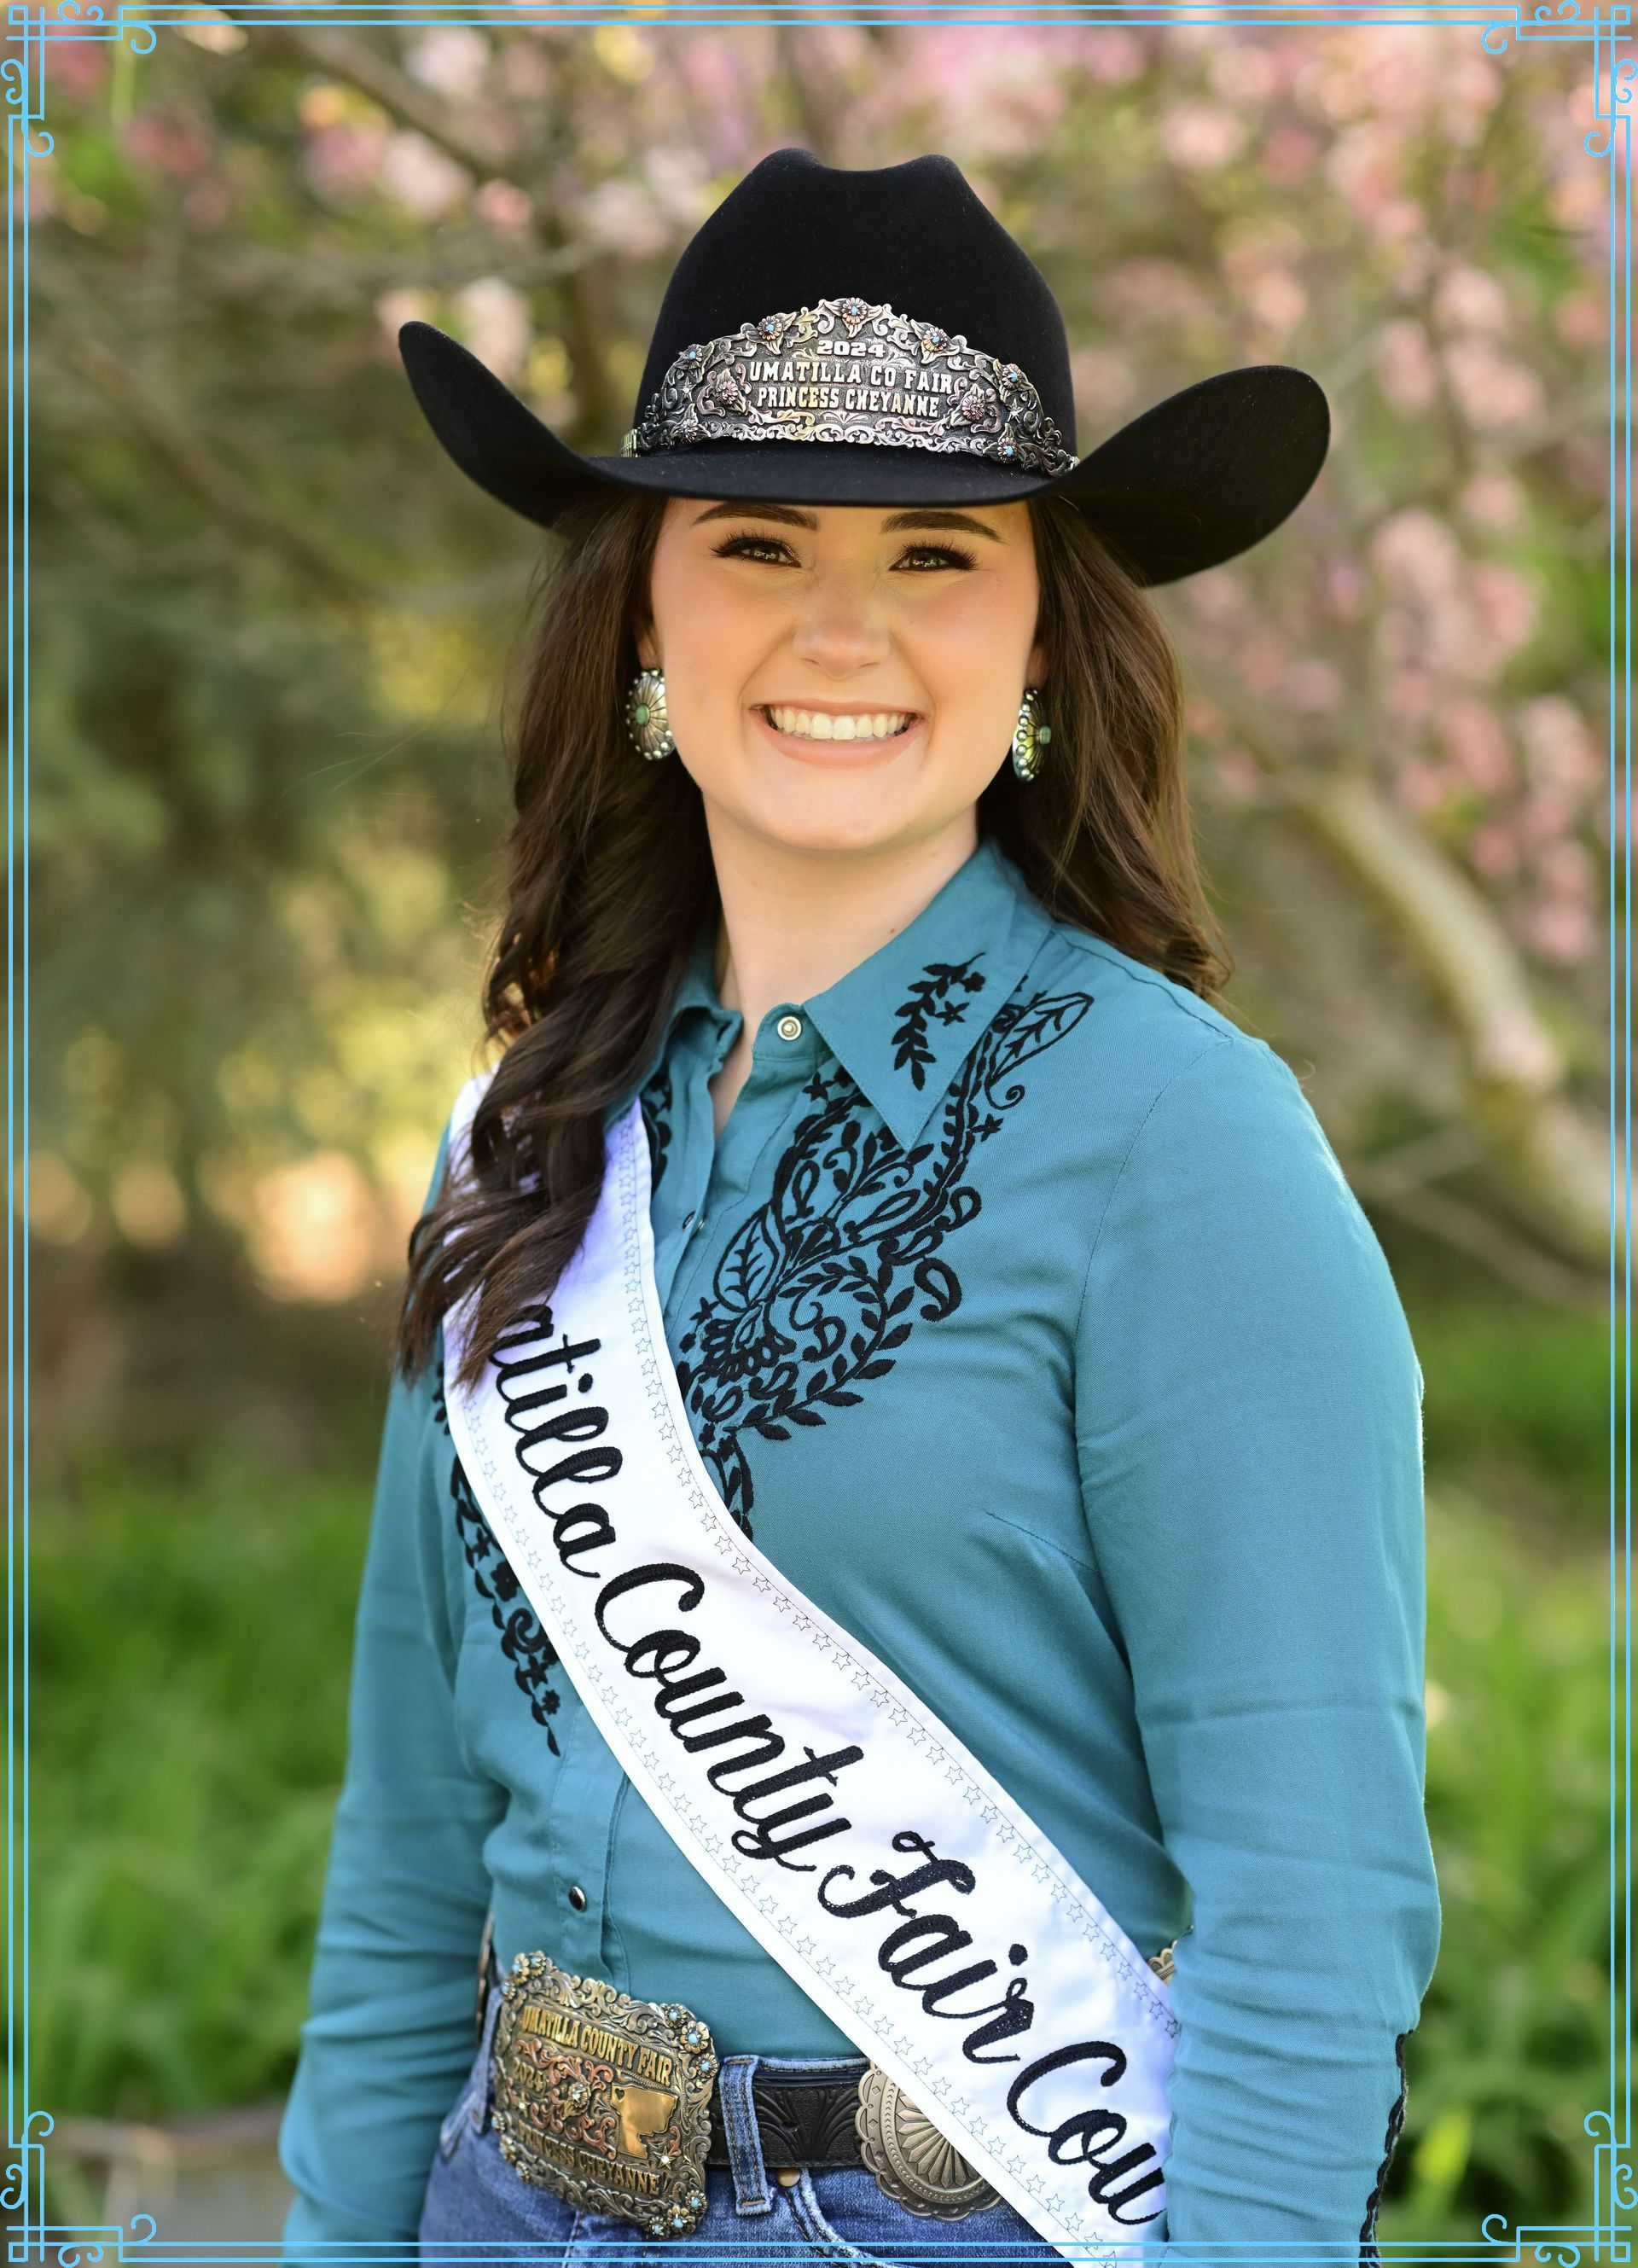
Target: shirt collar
<point>904,1020</point>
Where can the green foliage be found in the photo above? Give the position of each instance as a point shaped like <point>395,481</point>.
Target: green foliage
<point>191,1638</point>
<point>1518,1402</point>
<point>1512,2050</point>
<point>191,1633</point>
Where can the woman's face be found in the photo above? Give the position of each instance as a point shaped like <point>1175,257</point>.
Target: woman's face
<point>790,634</point>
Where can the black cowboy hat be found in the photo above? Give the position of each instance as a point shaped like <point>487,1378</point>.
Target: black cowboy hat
<point>877,337</point>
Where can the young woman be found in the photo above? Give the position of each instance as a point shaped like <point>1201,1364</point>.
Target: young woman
<point>1030,1345</point>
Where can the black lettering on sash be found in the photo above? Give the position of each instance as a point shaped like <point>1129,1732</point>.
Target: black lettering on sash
<point>946,1937</point>
<point>668,1649</point>
<point>1083,2126</point>
<point>892,1889</point>
<point>658,1570</point>
<point>566,1527</point>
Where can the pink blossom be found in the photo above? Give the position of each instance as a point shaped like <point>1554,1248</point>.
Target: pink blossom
<point>1313,687</point>
<point>1559,930</point>
<point>1407,369</point>
<point>1565,868</point>
<point>1344,587</point>
<point>1400,221</point>
<point>395,308</point>
<point>1581,319</point>
<point>1416,553</point>
<point>1261,659</point>
<point>1238,774</point>
<point>341,161</point>
<point>1275,302</point>
<point>1243,72</point>
<point>1146,289</point>
<point>1492,851</point>
<point>1546,815</point>
<point>1407,696</point>
<point>452,59</point>
<point>1495,392</point>
<point>1492,500</point>
<point>169,144</point>
<point>1508,604</point>
<point>622,215</point>
<point>416,173</point>
<point>1476,745</point>
<point>1421,787</point>
<point>1112,55</point>
<point>491,319</point>
<point>1289,156</point>
<point>1468,299</point>
<point>1202,137</point>
<point>77,66</point>
<point>1559,750</point>
<point>503,207</point>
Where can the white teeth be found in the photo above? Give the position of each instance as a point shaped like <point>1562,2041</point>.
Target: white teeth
<point>819,725</point>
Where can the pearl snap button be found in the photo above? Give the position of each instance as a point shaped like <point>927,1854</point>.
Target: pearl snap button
<point>790,1027</point>
<point>576,1898</point>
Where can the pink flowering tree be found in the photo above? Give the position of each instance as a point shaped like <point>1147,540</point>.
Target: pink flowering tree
<point>1398,707</point>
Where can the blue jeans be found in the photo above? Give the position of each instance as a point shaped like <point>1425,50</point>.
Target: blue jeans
<point>833,2214</point>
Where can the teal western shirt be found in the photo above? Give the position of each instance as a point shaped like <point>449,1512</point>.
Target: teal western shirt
<point>1023,1316</point>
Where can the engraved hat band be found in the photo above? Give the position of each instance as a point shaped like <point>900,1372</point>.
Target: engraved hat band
<point>848,371</point>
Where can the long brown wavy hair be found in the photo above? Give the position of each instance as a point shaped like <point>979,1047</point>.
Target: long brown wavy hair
<point>609,879</point>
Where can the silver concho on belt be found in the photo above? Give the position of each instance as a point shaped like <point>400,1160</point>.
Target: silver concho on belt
<point>847,370</point>
<point>912,2161</point>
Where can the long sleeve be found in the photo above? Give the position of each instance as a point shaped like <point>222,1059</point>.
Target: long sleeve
<point>1248,1422</point>
<point>389,2037</point>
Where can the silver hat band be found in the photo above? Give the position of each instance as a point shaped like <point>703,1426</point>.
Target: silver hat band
<point>844,371</point>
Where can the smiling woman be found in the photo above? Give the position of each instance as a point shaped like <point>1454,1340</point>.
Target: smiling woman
<point>874,1247</point>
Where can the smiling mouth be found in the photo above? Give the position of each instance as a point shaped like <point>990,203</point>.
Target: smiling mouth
<point>822,725</point>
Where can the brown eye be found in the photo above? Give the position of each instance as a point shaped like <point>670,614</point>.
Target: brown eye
<point>742,547</point>
<point>946,554</point>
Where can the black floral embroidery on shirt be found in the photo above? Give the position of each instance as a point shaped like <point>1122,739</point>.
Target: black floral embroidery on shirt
<point>813,1295</point>
<point>525,1644</point>
<point>928,998</point>
<point>1370,2254</point>
<point>656,1102</point>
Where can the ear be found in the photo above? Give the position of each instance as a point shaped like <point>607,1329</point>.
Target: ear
<point>1036,668</point>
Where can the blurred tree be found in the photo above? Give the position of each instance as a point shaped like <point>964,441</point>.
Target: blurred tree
<point>271,622</point>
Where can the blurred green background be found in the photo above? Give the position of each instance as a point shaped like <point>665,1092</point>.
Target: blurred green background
<point>271,631</point>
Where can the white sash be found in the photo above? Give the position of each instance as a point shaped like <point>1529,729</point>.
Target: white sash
<point>857,1840</point>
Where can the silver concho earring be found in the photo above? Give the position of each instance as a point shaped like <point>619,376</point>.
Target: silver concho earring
<point>1030,736</point>
<point>646,720</point>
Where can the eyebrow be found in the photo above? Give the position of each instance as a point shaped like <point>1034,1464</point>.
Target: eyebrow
<point>793,516</point>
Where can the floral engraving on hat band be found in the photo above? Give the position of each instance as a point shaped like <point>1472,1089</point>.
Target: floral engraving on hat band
<point>847,370</point>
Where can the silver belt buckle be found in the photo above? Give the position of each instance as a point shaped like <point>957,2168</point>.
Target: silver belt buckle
<point>914,2163</point>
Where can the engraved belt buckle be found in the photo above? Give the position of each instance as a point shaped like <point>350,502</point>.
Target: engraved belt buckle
<point>913,2162</point>
<point>603,2099</point>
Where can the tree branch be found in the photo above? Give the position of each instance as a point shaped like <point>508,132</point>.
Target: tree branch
<point>1515,1071</point>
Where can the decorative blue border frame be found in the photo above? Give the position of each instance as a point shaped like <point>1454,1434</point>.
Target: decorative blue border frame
<point>1607,31</point>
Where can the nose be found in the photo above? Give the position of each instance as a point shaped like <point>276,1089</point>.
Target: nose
<point>841,627</point>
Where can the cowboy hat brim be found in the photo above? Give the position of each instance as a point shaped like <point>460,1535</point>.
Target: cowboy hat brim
<point>1195,480</point>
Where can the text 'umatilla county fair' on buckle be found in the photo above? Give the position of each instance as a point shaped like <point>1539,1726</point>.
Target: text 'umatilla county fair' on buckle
<point>845,370</point>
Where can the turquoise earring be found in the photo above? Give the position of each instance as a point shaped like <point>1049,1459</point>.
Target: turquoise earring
<point>1030,736</point>
<point>646,719</point>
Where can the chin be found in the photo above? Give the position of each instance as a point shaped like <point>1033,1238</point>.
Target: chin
<point>856,824</point>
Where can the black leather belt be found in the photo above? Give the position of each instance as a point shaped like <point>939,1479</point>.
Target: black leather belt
<point>803,2120</point>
